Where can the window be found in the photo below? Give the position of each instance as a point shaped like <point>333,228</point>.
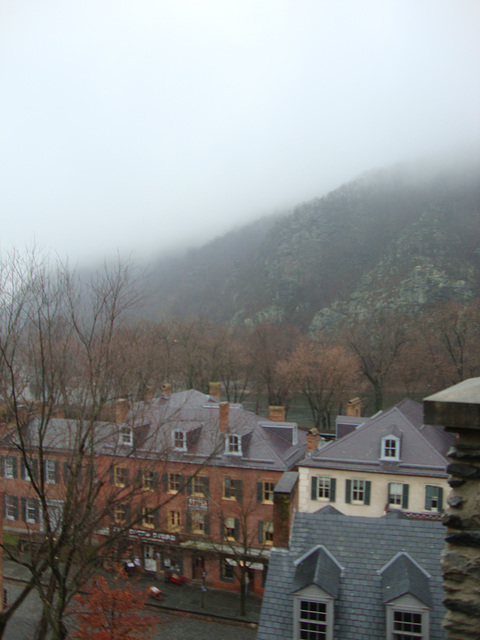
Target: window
<point>55,514</point>
<point>313,619</point>
<point>173,521</point>
<point>227,570</point>
<point>149,480</point>
<point>433,498</point>
<point>10,507</point>
<point>51,471</point>
<point>30,510</point>
<point>323,488</point>
<point>407,622</point>
<point>390,448</point>
<point>231,528</point>
<point>174,482</point>
<point>29,469</point>
<point>398,494</point>
<point>357,491</point>
<point>120,513</point>
<point>232,489</point>
<point>232,445</point>
<point>179,441</point>
<point>199,486</point>
<point>9,467</point>
<point>148,517</point>
<point>199,523</point>
<point>120,476</point>
<point>126,436</point>
<point>265,532</point>
<point>265,491</point>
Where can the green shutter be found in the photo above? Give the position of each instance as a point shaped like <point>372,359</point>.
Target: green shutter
<point>165,482</point>
<point>238,490</point>
<point>440,499</point>
<point>367,492</point>
<point>348,491</point>
<point>206,486</point>
<point>428,497</point>
<point>14,466</point>
<point>236,529</point>
<point>405,496</point>
<point>2,466</point>
<point>332,489</point>
<point>259,491</point>
<point>206,525</point>
<point>189,485</point>
<point>260,532</point>
<point>314,490</point>
<point>222,528</point>
<point>189,522</point>
<point>182,483</point>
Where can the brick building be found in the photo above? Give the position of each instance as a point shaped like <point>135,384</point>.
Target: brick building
<point>190,480</point>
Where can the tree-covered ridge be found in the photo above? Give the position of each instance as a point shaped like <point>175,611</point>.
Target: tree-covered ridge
<point>403,237</point>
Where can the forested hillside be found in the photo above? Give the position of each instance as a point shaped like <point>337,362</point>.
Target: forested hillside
<point>405,238</point>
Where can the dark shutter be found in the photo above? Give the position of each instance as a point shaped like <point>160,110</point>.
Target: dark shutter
<point>2,466</point>
<point>348,491</point>
<point>226,487</point>
<point>206,486</point>
<point>181,483</point>
<point>189,522</point>
<point>155,480</point>
<point>314,488</point>
<point>236,534</point>
<point>238,490</point>
<point>222,528</point>
<point>405,496</point>
<point>15,507</point>
<point>260,532</point>
<point>112,475</point>
<point>34,469</point>
<point>14,466</point>
<point>165,482</point>
<point>367,491</point>
<point>206,525</point>
<point>189,485</point>
<point>428,497</point>
<point>259,491</point>
<point>440,499</point>
<point>332,489</point>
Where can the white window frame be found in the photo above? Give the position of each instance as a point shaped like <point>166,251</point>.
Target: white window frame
<point>11,507</point>
<point>9,465</point>
<point>174,482</point>
<point>321,598</point>
<point>229,524</point>
<point>398,496</point>
<point>126,436</point>
<point>410,605</point>
<point>174,521</point>
<point>233,445</point>
<point>51,471</point>
<point>148,517</point>
<point>324,484</point>
<point>268,532</point>
<point>198,523</point>
<point>390,448</point>
<point>268,488</point>
<point>179,440</point>
<point>358,490</point>
<point>31,505</point>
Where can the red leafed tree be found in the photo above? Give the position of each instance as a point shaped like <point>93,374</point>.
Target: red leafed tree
<point>109,612</point>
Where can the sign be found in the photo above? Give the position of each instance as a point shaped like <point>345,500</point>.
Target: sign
<point>197,504</point>
<point>152,536</point>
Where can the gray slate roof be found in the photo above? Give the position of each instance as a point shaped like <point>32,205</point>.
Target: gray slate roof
<point>422,452</point>
<point>362,547</point>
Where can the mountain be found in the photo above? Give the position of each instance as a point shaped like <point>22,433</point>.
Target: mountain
<point>406,236</point>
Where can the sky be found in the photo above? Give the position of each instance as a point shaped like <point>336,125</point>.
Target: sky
<point>142,126</point>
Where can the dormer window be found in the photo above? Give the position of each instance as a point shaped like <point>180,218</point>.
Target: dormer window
<point>126,436</point>
<point>232,445</point>
<point>179,441</point>
<point>390,448</point>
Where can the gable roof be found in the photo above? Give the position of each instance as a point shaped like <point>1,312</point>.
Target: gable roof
<point>422,448</point>
<point>363,547</point>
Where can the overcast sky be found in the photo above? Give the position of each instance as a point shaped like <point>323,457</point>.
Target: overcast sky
<point>141,125</point>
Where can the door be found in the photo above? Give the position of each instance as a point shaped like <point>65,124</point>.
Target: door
<point>198,567</point>
<point>149,559</point>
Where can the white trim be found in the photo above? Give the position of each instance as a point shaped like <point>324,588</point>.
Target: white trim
<point>397,441</point>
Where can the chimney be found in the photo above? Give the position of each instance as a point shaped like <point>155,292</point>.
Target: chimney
<point>284,503</point>
<point>121,410</point>
<point>166,390</point>
<point>313,439</point>
<point>148,393</point>
<point>354,408</point>
<point>223,417</point>
<point>214,390</point>
<point>457,409</point>
<point>276,414</point>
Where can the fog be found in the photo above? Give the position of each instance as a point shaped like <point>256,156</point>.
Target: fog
<point>141,126</point>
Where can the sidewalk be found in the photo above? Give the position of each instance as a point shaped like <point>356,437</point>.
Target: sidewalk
<point>185,598</point>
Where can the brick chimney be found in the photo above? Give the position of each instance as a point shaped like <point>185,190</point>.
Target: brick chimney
<point>276,414</point>
<point>224,416</point>
<point>458,410</point>
<point>354,408</point>
<point>121,410</point>
<point>166,390</point>
<point>215,390</point>
<point>148,393</point>
<point>313,439</point>
<point>284,503</point>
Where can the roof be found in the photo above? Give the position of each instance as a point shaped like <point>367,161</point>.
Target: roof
<point>423,448</point>
<point>374,554</point>
<point>263,444</point>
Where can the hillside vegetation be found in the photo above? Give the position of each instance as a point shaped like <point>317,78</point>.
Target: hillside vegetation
<point>403,238</point>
